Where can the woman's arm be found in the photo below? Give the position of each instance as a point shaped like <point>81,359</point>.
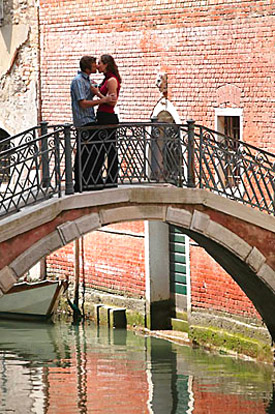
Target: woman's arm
<point>112,90</point>
<point>109,99</point>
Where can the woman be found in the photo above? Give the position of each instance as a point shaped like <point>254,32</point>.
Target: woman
<point>106,114</point>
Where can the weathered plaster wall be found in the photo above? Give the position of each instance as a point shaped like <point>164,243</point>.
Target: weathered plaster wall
<point>18,66</point>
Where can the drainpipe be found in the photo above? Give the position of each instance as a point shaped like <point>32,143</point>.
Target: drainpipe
<point>39,87</point>
<point>83,275</point>
<point>43,262</point>
<point>76,311</point>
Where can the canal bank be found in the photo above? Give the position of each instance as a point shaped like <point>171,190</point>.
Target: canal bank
<point>218,333</point>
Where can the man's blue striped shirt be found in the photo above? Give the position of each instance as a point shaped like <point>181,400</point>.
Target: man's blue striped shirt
<point>80,89</point>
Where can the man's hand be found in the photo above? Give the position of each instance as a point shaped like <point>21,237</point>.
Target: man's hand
<point>94,90</point>
<point>110,99</point>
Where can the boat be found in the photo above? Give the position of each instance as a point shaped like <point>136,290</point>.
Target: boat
<point>32,301</point>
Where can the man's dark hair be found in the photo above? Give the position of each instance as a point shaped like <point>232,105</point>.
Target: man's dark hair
<point>85,62</point>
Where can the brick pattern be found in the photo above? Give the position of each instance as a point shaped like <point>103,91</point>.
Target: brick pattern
<point>216,54</point>
<point>201,45</point>
<point>213,288</point>
<point>61,263</point>
<point>113,258</point>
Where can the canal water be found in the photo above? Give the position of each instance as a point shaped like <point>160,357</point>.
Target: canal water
<point>69,369</point>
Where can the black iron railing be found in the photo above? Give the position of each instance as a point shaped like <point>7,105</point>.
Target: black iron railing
<point>47,161</point>
<point>234,169</point>
<point>31,166</point>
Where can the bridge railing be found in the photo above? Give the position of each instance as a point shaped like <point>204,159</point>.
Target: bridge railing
<point>30,167</point>
<point>234,169</point>
<point>130,153</point>
<point>43,161</point>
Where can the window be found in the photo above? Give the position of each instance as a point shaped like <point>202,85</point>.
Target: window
<point>229,123</point>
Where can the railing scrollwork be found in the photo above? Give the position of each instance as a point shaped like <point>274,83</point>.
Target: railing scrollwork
<point>48,161</point>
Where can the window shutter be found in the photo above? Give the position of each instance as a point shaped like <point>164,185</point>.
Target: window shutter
<point>178,259</point>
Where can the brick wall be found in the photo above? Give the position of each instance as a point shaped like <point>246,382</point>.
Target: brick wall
<point>216,53</point>
<point>113,260</point>
<point>202,46</point>
<point>214,289</point>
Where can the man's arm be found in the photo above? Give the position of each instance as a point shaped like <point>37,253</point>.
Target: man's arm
<point>84,103</point>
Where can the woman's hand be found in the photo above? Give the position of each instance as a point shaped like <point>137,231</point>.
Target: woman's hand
<point>95,90</point>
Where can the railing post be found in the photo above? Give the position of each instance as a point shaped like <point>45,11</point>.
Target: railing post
<point>191,155</point>
<point>57,162</point>
<point>45,155</point>
<point>156,155</point>
<point>69,189</point>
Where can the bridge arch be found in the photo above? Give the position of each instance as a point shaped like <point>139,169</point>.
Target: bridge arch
<point>239,238</point>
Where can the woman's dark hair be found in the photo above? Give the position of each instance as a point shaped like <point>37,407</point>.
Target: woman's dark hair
<point>86,62</point>
<point>111,65</point>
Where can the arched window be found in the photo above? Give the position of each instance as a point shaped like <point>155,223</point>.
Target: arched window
<point>166,149</point>
<point>4,160</point>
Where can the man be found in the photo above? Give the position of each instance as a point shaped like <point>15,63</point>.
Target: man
<point>87,155</point>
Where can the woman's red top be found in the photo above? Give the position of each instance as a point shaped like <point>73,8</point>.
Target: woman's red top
<point>104,90</point>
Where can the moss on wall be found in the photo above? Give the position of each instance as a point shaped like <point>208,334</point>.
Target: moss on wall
<point>224,341</point>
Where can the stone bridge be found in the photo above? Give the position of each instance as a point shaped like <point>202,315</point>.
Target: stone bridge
<point>240,238</point>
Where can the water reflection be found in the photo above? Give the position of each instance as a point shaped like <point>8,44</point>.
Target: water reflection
<point>82,369</point>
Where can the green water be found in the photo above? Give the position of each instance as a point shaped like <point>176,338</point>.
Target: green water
<point>68,369</point>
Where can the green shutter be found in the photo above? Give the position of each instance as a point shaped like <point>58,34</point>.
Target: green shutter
<point>177,248</point>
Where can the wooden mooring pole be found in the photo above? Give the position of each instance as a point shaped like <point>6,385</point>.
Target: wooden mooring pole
<point>76,311</point>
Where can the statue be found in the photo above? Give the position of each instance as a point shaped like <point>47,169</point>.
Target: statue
<point>162,83</point>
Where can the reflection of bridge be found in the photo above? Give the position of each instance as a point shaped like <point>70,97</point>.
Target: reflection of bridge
<point>159,158</point>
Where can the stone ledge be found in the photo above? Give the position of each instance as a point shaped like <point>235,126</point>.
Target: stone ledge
<point>228,239</point>
<point>267,275</point>
<point>179,217</point>
<point>87,223</point>
<point>132,213</point>
<point>38,250</point>
<point>255,259</point>
<point>7,279</point>
<point>33,216</point>
<point>200,222</point>
<point>96,198</point>
<point>166,194</point>
<point>68,232</point>
<point>29,218</point>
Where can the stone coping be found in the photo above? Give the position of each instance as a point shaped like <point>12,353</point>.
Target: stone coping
<point>160,195</point>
